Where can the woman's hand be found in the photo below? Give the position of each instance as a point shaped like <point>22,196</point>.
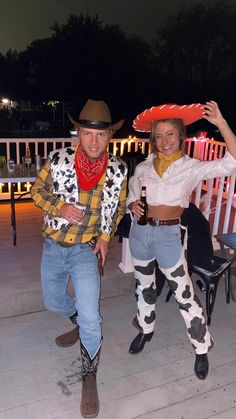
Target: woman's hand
<point>213,114</point>
<point>136,208</point>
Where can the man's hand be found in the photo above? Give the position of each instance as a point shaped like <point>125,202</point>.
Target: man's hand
<point>72,214</point>
<point>102,247</point>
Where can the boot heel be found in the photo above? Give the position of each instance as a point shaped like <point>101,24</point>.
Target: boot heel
<point>138,343</point>
<point>149,337</point>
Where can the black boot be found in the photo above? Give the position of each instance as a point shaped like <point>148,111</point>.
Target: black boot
<point>69,338</point>
<point>201,366</point>
<point>138,343</point>
<point>89,405</point>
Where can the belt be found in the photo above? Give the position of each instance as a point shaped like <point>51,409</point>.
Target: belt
<point>154,223</point>
<point>91,242</point>
<point>64,244</point>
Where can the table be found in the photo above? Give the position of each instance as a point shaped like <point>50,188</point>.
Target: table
<point>18,175</point>
<point>227,240</point>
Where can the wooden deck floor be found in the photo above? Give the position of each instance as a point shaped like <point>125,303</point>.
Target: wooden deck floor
<point>38,380</point>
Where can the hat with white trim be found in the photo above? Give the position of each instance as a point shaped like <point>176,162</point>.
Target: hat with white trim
<point>188,113</point>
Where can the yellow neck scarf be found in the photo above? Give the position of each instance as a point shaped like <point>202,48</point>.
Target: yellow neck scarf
<point>162,162</point>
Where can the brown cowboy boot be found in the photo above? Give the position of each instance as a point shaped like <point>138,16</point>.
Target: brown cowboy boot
<point>89,405</point>
<point>69,338</point>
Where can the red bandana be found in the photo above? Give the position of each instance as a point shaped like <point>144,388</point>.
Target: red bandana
<point>89,172</point>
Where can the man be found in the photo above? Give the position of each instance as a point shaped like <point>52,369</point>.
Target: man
<point>82,192</point>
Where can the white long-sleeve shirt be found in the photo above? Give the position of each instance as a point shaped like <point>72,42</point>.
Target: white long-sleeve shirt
<point>176,185</point>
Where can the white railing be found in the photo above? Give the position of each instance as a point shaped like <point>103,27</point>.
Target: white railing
<point>215,197</point>
<point>15,147</point>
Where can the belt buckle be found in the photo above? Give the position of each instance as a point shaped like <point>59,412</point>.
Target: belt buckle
<point>152,222</point>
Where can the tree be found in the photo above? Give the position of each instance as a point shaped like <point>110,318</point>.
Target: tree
<point>197,48</point>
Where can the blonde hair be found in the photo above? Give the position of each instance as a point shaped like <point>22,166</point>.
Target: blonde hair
<point>178,124</point>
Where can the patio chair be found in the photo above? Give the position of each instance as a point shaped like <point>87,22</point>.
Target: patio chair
<point>218,268</point>
<point>202,261</point>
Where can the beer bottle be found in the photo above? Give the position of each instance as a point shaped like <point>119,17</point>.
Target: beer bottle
<point>27,155</point>
<point>143,198</point>
<point>28,159</point>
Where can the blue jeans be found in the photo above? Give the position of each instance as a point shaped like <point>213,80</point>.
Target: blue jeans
<point>79,262</point>
<point>162,243</point>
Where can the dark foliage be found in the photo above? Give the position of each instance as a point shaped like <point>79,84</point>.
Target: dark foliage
<point>193,59</point>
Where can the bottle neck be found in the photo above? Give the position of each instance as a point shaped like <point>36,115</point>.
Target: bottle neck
<point>143,193</point>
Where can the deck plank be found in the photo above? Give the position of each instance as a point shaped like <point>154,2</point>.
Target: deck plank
<point>39,380</point>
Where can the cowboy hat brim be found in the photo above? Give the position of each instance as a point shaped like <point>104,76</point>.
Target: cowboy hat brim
<point>188,113</point>
<point>100,125</point>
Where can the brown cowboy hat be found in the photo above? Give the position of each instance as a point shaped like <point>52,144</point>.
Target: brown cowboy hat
<point>188,113</point>
<point>95,114</point>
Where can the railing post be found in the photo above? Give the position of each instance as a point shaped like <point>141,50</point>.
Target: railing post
<point>230,194</point>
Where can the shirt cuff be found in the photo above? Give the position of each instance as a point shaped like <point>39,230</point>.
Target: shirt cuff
<point>57,209</point>
<point>105,237</point>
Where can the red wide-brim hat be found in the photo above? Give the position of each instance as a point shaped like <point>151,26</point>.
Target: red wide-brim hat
<point>188,113</point>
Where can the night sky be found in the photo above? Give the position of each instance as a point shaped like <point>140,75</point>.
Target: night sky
<point>22,21</point>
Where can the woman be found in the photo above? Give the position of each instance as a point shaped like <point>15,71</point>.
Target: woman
<point>170,176</point>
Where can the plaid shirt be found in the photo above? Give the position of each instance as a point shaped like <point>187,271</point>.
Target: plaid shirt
<point>42,194</point>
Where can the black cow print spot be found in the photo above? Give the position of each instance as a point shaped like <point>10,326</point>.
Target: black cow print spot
<point>186,293</point>
<point>150,294</point>
<point>150,319</point>
<point>173,285</point>
<point>184,307</point>
<point>55,158</point>
<point>56,186</point>
<point>197,330</point>
<point>146,270</point>
<point>122,168</point>
<point>70,188</point>
<point>178,272</point>
<point>70,151</point>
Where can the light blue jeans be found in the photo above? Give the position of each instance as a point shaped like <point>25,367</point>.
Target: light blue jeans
<point>162,243</point>
<point>79,262</point>
<point>167,245</point>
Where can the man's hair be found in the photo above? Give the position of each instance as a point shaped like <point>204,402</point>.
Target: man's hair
<point>178,124</point>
